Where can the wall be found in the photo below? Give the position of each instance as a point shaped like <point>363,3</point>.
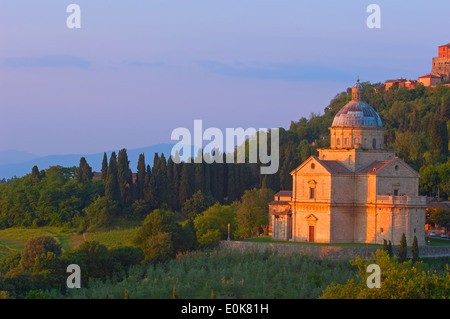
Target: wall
<point>330,252</point>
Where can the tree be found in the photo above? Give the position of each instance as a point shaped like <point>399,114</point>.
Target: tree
<point>104,167</point>
<point>398,281</point>
<point>390,250</point>
<point>385,245</point>
<point>127,256</point>
<point>140,176</point>
<point>38,246</point>
<point>95,260</point>
<point>112,191</point>
<point>251,211</point>
<point>439,140</point>
<point>209,239</point>
<point>98,214</point>
<point>35,174</point>
<point>123,172</point>
<point>160,236</point>
<point>402,249</point>
<point>158,247</point>
<point>215,218</point>
<point>84,171</point>
<point>196,205</point>
<point>439,216</point>
<point>429,180</point>
<point>185,190</point>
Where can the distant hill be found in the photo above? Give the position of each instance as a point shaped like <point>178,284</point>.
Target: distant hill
<point>13,156</point>
<point>16,163</point>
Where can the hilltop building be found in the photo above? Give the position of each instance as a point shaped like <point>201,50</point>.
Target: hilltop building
<point>430,79</point>
<point>441,64</point>
<point>354,192</point>
<point>440,72</point>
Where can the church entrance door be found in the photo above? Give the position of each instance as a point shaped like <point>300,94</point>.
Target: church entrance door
<point>311,233</point>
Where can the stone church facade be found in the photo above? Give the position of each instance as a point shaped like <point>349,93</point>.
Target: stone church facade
<point>354,192</point>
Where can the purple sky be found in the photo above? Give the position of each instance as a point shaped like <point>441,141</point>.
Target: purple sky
<point>136,70</point>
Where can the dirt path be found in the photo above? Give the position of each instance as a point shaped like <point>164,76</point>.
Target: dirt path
<point>77,240</point>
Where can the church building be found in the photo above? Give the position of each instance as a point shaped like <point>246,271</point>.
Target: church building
<point>354,192</point>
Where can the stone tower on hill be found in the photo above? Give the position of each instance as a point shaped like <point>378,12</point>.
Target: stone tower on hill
<point>354,192</point>
<point>441,64</point>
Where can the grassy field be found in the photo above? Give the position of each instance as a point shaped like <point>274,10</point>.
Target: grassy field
<point>437,241</point>
<point>120,233</point>
<point>113,238</point>
<point>14,239</point>
<point>267,239</point>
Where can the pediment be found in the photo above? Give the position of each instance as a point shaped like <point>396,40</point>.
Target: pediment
<point>311,166</point>
<point>388,168</point>
<point>311,218</point>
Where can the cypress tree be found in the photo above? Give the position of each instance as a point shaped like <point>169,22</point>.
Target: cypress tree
<point>175,175</point>
<point>131,189</point>
<point>35,174</point>
<point>140,176</point>
<point>122,177</point>
<point>231,187</point>
<point>390,250</point>
<point>385,245</point>
<point>206,178</point>
<point>149,189</point>
<point>198,185</point>
<point>402,249</point>
<point>84,171</point>
<point>112,185</point>
<point>164,184</point>
<point>104,166</point>
<point>184,192</point>
<point>171,196</point>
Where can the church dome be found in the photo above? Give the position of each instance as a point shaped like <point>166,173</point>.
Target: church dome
<point>357,112</point>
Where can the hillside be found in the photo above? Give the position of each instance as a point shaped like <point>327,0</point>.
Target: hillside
<point>416,123</point>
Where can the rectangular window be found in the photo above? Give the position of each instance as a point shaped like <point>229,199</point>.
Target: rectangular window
<point>311,192</point>
<point>395,192</point>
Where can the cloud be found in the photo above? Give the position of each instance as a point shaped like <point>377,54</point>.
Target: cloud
<point>48,61</point>
<point>293,71</point>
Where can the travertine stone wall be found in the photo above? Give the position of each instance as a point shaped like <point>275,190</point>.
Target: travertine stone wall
<point>330,252</point>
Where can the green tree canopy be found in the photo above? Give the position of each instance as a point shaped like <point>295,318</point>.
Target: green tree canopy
<point>251,211</point>
<point>398,281</point>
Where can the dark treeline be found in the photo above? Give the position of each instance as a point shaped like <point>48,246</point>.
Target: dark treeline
<point>167,184</point>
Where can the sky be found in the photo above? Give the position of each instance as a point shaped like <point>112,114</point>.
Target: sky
<point>136,70</point>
